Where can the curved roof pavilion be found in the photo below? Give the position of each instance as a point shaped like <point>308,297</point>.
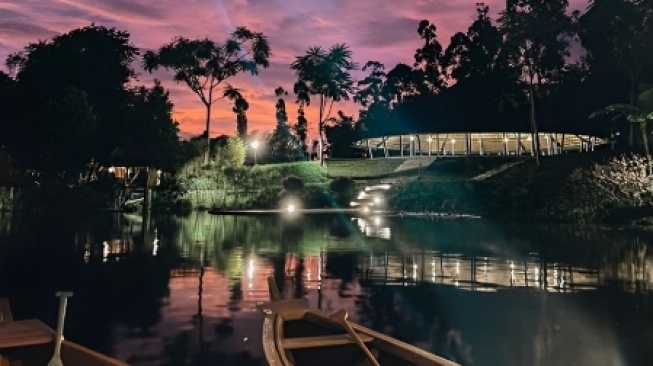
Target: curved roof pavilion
<point>453,124</point>
<point>478,143</point>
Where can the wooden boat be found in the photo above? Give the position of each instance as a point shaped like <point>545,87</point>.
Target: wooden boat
<point>296,335</point>
<point>31,342</point>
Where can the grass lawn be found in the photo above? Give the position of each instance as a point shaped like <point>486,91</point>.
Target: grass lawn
<point>362,168</point>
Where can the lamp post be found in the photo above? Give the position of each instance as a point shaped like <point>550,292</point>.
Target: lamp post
<point>254,146</point>
<point>430,139</point>
<point>453,147</point>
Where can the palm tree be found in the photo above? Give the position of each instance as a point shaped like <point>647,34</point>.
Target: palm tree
<point>326,74</point>
<point>641,113</point>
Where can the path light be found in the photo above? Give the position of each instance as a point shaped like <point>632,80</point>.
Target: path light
<point>254,146</point>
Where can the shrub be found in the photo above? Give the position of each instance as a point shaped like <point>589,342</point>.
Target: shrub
<point>343,190</point>
<point>293,184</point>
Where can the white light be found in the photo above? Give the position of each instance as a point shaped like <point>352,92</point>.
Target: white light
<point>255,144</point>
<point>111,169</point>
<point>412,138</point>
<point>505,140</point>
<point>429,139</point>
<point>250,270</point>
<point>377,200</point>
<point>377,221</point>
<point>453,141</point>
<point>366,209</point>
<point>291,208</point>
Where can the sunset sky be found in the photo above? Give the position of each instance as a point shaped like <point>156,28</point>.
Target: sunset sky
<point>380,30</point>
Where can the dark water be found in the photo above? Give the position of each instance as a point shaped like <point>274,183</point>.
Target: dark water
<point>183,290</point>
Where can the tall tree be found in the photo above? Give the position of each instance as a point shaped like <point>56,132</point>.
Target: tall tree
<point>303,99</point>
<point>7,93</point>
<point>428,59</point>
<point>371,94</point>
<point>617,36</point>
<point>204,65</point>
<point>327,75</point>
<point>94,61</point>
<point>240,108</point>
<point>341,132</point>
<point>535,34</point>
<point>641,114</point>
<point>475,53</point>
<point>280,107</point>
<point>282,142</point>
<point>149,116</point>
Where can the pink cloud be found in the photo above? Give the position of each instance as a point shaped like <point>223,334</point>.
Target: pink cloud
<point>382,30</point>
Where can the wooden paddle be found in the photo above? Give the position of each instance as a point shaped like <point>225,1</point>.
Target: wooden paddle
<point>341,317</point>
<point>63,301</point>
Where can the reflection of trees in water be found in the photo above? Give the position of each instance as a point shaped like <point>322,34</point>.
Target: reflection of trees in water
<point>178,351</point>
<point>415,316</point>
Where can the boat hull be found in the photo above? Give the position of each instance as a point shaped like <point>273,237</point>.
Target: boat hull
<point>297,336</point>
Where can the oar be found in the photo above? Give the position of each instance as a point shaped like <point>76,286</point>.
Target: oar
<point>341,317</point>
<point>63,300</point>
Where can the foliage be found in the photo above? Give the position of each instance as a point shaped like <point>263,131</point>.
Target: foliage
<point>241,105</point>
<point>640,113</point>
<point>316,196</point>
<point>293,184</point>
<point>617,37</point>
<point>343,190</point>
<point>148,115</point>
<point>87,69</point>
<point>477,52</point>
<point>204,65</point>
<point>428,59</point>
<point>341,133</point>
<point>326,74</point>
<point>283,144</point>
<point>229,152</point>
<point>536,35</point>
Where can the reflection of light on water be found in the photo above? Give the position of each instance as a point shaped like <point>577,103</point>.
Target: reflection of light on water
<point>105,251</point>
<point>155,248</point>
<point>373,228</point>
<point>250,273</point>
<point>87,253</point>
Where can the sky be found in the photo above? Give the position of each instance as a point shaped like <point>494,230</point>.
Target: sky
<point>374,29</point>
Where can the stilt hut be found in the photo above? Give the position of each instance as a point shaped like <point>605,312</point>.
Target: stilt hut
<point>138,167</point>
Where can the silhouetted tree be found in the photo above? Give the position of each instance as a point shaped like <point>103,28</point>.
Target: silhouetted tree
<point>326,74</point>
<point>240,109</point>
<point>428,59</point>
<point>204,65</point>
<point>535,35</point>
<point>75,82</point>
<point>617,37</point>
<point>475,53</point>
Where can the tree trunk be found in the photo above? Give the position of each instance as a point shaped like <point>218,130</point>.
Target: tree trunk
<point>642,128</point>
<point>208,135</point>
<point>321,126</point>
<point>534,135</point>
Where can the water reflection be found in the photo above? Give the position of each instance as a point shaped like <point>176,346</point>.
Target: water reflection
<point>182,290</point>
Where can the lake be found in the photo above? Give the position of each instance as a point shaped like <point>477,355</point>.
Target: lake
<point>170,290</point>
